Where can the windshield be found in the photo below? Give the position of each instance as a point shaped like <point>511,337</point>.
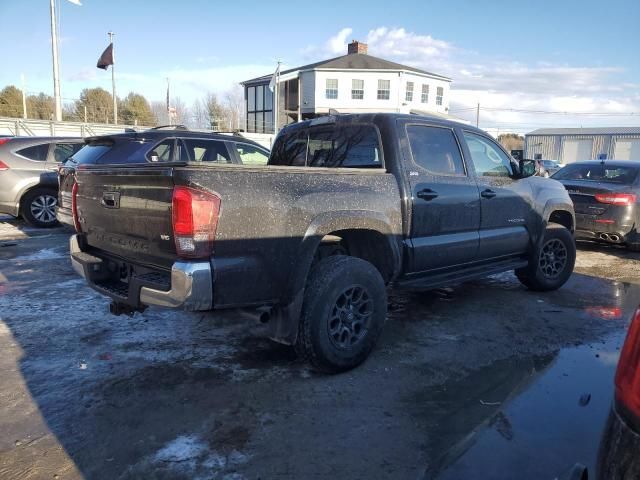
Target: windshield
<point>599,173</point>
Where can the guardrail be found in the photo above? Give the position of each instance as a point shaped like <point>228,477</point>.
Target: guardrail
<point>47,128</point>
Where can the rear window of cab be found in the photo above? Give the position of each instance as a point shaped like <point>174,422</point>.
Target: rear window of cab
<point>345,146</point>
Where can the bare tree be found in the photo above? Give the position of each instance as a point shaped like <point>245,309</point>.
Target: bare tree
<point>159,110</point>
<point>183,114</point>
<point>199,115</point>
<point>511,141</point>
<point>215,111</point>
<point>234,102</point>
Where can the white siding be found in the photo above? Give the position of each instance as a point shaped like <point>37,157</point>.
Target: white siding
<point>574,150</point>
<point>627,149</point>
<point>370,103</point>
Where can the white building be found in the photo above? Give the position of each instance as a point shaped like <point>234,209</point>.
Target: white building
<point>352,83</point>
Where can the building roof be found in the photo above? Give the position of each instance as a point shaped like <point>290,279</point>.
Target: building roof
<point>587,131</point>
<point>354,61</point>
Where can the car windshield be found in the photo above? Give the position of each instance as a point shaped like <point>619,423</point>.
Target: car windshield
<point>624,175</point>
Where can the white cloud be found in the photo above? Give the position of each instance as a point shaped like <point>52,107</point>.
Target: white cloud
<point>400,44</point>
<point>338,43</point>
<point>502,86</point>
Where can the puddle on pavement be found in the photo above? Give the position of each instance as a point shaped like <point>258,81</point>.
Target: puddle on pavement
<point>527,418</point>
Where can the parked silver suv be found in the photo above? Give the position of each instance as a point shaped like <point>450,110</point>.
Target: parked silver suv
<point>28,176</point>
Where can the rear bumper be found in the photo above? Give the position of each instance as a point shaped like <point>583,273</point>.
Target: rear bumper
<point>11,208</point>
<point>618,455</point>
<point>595,227</point>
<point>189,285</point>
<point>64,216</point>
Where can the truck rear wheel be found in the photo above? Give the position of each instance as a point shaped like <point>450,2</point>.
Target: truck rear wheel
<point>344,309</point>
<point>551,264</point>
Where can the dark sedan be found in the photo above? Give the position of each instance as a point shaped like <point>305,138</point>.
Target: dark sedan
<point>605,197</point>
<point>618,457</point>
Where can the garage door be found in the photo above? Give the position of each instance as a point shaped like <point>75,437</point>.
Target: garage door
<point>627,149</point>
<point>573,150</point>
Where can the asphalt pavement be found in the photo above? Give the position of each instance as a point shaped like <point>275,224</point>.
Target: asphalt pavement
<point>481,380</point>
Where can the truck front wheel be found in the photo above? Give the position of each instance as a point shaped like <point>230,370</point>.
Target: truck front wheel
<point>344,309</point>
<point>551,264</point>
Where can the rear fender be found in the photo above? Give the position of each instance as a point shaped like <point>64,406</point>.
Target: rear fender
<point>283,326</point>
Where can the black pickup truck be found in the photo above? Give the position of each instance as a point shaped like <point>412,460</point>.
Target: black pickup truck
<point>347,205</point>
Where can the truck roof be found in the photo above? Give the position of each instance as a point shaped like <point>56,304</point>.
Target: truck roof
<point>376,118</point>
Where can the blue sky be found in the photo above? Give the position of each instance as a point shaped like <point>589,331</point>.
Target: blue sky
<point>576,56</point>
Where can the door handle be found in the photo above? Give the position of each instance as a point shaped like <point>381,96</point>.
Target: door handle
<point>488,193</point>
<point>427,194</point>
<point>111,199</point>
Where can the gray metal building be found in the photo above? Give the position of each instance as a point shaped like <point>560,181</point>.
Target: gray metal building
<point>571,144</point>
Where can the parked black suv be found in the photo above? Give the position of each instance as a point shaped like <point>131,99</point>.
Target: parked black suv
<point>158,145</point>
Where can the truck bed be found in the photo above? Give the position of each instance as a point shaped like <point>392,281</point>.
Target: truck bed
<point>268,216</point>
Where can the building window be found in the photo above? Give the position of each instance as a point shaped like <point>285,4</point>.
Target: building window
<point>425,94</point>
<point>439,94</point>
<point>259,109</point>
<point>384,89</point>
<point>332,88</point>
<point>357,89</point>
<point>409,94</point>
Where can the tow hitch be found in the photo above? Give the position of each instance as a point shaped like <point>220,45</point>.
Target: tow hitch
<point>117,308</point>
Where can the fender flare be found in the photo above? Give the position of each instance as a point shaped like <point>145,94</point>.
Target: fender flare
<point>284,325</point>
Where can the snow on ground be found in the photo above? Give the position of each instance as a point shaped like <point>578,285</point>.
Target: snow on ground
<point>191,456</point>
<point>44,254</point>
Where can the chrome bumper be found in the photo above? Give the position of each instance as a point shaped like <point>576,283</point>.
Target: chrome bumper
<point>191,284</point>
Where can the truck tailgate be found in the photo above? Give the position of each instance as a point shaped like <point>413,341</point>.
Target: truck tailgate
<point>126,211</point>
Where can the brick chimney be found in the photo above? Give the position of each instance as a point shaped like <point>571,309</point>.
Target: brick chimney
<point>357,47</point>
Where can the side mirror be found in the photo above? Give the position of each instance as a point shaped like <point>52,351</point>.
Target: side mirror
<point>527,168</point>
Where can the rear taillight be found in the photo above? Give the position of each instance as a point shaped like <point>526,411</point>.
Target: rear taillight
<point>74,207</point>
<point>628,373</point>
<point>3,166</point>
<point>4,140</point>
<point>617,198</point>
<point>195,220</point>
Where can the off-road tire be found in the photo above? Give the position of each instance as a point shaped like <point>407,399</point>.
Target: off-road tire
<point>327,309</point>
<point>634,247</point>
<point>37,207</point>
<point>549,268</point>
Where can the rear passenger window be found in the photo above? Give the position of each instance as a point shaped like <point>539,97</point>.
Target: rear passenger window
<point>435,149</point>
<point>163,152</point>
<point>89,154</point>
<point>251,155</point>
<point>37,152</point>
<point>207,151</point>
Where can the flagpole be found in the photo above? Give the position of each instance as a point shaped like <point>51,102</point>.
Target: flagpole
<point>168,102</point>
<point>56,70</point>
<point>113,80</point>
<point>276,106</point>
